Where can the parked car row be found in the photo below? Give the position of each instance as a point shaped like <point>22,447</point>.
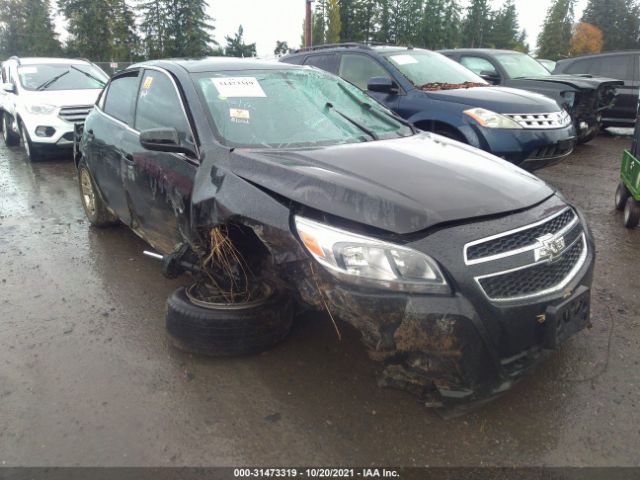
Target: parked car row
<point>280,187</point>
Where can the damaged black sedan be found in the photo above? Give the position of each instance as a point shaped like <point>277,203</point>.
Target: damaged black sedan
<point>277,186</point>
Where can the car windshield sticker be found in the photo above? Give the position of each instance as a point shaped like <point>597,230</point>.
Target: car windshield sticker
<point>403,59</point>
<point>239,115</point>
<point>238,87</point>
<point>27,70</point>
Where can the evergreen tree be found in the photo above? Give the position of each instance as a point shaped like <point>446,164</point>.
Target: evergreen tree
<point>504,30</point>
<point>89,27</point>
<point>126,41</point>
<point>236,46</point>
<point>154,28</point>
<point>282,48</point>
<point>319,29</point>
<point>554,41</point>
<point>12,31</point>
<point>27,29</point>
<point>334,22</point>
<point>617,19</point>
<point>477,24</point>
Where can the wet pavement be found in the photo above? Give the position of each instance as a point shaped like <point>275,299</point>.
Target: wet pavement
<point>87,376</point>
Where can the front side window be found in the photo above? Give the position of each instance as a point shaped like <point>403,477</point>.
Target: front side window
<point>359,69</point>
<point>121,97</point>
<point>479,65</point>
<point>579,66</point>
<point>61,77</point>
<point>293,108</point>
<point>422,67</point>
<point>518,65</point>
<point>326,61</point>
<point>160,106</point>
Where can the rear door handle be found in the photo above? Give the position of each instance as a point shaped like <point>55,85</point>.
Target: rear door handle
<point>128,158</point>
<point>90,134</point>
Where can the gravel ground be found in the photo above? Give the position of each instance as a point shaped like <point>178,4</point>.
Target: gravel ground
<point>87,376</point>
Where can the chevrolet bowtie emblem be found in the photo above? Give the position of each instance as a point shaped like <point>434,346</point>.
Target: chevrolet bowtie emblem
<point>550,248</point>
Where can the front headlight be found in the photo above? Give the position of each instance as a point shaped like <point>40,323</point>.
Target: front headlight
<point>369,261</point>
<point>490,119</point>
<point>40,109</point>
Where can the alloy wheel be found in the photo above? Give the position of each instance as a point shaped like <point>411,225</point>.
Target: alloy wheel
<point>88,195</point>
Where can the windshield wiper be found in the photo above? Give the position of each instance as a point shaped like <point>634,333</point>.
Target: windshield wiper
<point>383,114</point>
<point>101,82</point>
<point>366,130</point>
<point>51,81</point>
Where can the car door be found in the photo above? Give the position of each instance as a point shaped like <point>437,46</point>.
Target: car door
<point>159,184</point>
<point>103,140</point>
<point>359,68</point>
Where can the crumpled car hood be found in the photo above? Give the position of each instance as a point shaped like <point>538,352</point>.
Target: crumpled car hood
<point>583,82</point>
<point>400,185</point>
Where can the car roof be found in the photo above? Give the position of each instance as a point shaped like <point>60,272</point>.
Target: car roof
<point>601,54</point>
<point>479,50</point>
<point>216,64</point>
<point>49,60</point>
<point>349,47</point>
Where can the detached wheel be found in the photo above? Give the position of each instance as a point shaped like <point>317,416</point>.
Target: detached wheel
<point>8,135</point>
<point>224,329</point>
<point>622,195</point>
<point>94,207</point>
<point>631,213</point>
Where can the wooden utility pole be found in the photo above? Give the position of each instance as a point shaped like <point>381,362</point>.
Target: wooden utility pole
<point>307,24</point>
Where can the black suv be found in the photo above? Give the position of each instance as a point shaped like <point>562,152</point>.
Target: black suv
<point>273,183</point>
<point>624,66</point>
<point>438,95</point>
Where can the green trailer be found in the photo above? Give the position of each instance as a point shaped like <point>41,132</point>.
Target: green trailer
<point>628,192</point>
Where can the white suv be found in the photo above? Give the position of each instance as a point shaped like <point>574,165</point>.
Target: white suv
<point>42,98</point>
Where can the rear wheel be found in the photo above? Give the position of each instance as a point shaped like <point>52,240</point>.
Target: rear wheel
<point>8,135</point>
<point>622,195</point>
<point>33,153</point>
<point>94,207</point>
<point>631,213</point>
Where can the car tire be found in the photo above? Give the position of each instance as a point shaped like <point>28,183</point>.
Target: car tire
<point>94,207</point>
<point>8,135</point>
<point>622,195</point>
<point>227,329</point>
<point>33,153</point>
<point>631,213</point>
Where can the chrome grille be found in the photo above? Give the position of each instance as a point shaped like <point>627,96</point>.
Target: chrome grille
<point>541,120</point>
<point>516,241</point>
<point>75,114</point>
<point>538,279</point>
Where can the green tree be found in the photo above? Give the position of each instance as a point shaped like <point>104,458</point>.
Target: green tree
<point>282,48</point>
<point>334,22</point>
<point>89,23</point>
<point>554,41</point>
<point>617,19</point>
<point>504,31</point>
<point>126,41</point>
<point>26,29</point>
<point>154,28</point>
<point>319,26</point>
<point>439,24</point>
<point>477,24</point>
<point>236,46</point>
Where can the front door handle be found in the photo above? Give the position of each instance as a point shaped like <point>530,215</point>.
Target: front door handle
<point>128,158</point>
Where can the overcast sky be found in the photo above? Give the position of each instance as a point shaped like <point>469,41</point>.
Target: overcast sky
<point>266,21</point>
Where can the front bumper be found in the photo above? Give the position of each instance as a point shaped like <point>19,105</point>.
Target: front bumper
<point>59,132</point>
<point>463,347</point>
<point>528,148</point>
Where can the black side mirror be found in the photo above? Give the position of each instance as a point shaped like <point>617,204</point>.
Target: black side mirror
<point>490,76</point>
<point>164,140</point>
<point>382,85</point>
